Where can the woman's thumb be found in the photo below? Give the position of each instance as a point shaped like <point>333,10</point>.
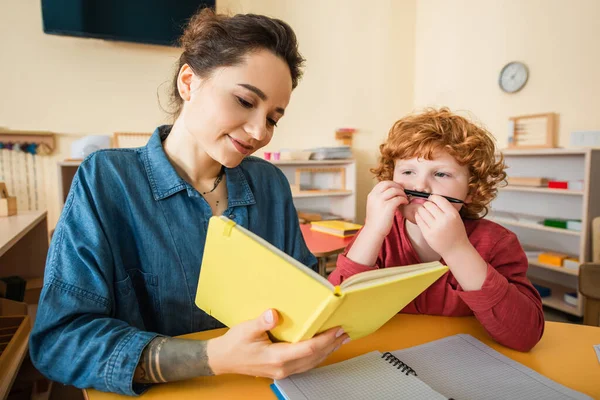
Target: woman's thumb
<point>268,320</point>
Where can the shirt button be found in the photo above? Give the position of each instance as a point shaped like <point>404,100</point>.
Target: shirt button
<point>231,216</point>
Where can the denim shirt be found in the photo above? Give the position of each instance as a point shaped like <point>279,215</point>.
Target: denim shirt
<point>125,258</point>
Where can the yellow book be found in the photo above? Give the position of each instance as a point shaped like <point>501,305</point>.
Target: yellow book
<point>242,275</point>
<point>335,227</point>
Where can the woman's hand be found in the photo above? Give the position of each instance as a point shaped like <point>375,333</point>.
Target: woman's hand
<point>246,349</point>
<point>382,203</point>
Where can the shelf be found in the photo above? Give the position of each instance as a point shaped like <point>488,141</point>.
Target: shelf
<point>541,190</point>
<point>560,304</point>
<point>555,300</point>
<point>321,193</point>
<point>534,226</point>
<point>312,162</point>
<point>547,152</point>
<point>70,163</point>
<point>533,261</point>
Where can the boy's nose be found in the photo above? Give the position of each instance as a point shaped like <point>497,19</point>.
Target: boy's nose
<point>421,186</point>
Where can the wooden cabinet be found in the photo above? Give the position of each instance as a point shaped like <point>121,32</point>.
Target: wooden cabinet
<point>516,206</point>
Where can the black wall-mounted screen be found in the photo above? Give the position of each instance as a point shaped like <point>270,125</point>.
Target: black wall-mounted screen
<point>141,21</point>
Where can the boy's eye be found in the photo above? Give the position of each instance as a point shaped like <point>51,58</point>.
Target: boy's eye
<point>244,103</point>
<point>441,174</point>
<point>271,122</point>
<point>407,172</point>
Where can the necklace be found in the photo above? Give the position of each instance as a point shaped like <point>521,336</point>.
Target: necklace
<point>217,181</point>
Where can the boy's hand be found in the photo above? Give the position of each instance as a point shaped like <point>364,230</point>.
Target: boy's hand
<point>382,203</point>
<point>442,226</point>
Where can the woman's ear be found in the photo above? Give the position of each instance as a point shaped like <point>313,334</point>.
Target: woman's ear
<point>184,82</point>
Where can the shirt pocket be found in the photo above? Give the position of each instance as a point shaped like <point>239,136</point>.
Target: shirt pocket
<point>137,300</point>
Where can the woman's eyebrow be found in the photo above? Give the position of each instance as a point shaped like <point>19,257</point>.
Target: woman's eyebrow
<point>260,94</point>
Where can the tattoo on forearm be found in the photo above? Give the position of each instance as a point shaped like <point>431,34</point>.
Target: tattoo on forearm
<point>167,359</point>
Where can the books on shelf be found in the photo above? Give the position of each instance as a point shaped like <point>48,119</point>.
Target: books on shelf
<point>243,275</point>
<point>570,224</point>
<point>551,258</point>
<point>559,223</point>
<point>571,298</point>
<point>542,290</point>
<point>571,263</point>
<point>527,181</point>
<point>331,153</point>
<point>310,216</point>
<point>336,228</point>
<point>539,182</point>
<point>517,217</point>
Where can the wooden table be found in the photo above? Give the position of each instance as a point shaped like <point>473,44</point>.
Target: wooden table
<point>564,354</point>
<point>23,251</point>
<point>323,245</point>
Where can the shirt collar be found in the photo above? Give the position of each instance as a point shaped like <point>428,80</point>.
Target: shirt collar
<point>165,181</point>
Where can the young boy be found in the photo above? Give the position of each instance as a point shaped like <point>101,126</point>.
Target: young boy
<point>443,154</point>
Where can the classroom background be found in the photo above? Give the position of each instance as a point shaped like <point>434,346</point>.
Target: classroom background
<point>368,64</point>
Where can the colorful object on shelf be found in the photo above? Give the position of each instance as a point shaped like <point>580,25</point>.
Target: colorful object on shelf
<point>550,258</point>
<point>267,155</point>
<point>558,184</point>
<point>344,135</point>
<point>574,225</point>
<point>575,185</point>
<point>571,299</point>
<point>556,223</point>
<point>570,224</point>
<point>571,263</point>
<point>276,156</point>
<point>527,181</point>
<point>8,204</point>
<point>27,142</point>
<point>542,290</point>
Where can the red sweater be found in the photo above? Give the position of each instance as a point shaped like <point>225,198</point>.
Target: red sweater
<point>507,305</point>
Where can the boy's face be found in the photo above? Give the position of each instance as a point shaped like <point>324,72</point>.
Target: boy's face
<point>442,175</point>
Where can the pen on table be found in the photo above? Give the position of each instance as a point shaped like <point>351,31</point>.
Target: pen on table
<point>424,195</point>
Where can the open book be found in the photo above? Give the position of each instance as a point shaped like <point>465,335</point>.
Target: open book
<point>242,275</point>
<point>458,367</point>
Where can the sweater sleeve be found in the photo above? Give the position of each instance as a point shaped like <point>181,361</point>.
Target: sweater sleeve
<point>507,305</point>
<point>345,267</point>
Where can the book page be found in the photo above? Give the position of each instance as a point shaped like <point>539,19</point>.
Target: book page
<point>364,377</point>
<point>462,367</point>
<point>376,276</point>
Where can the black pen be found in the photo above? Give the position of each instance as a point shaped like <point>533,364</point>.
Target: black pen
<point>424,195</point>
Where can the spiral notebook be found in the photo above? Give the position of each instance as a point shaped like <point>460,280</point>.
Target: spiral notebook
<point>457,367</point>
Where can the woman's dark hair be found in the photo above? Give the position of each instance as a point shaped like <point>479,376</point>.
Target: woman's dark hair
<point>213,40</point>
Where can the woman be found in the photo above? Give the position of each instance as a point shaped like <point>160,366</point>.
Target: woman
<point>123,266</point>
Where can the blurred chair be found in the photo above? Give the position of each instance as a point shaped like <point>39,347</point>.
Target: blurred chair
<point>589,280</point>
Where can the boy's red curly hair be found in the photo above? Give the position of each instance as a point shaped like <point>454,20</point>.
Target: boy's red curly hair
<point>420,135</point>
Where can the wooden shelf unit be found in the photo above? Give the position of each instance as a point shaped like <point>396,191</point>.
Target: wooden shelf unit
<point>506,221</point>
<point>563,270</point>
<point>327,196</point>
<point>23,251</point>
<point>554,164</point>
<point>542,190</point>
<point>321,193</point>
